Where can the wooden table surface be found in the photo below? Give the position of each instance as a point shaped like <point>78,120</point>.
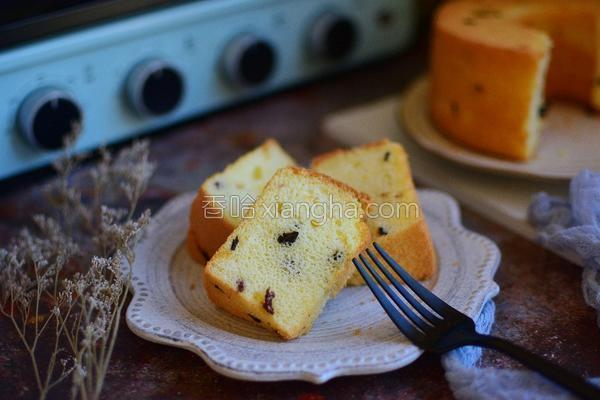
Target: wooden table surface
<point>539,306</point>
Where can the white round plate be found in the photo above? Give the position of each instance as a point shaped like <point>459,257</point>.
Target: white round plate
<point>352,336</point>
<point>569,140</point>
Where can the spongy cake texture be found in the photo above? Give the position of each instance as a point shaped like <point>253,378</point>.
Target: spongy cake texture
<point>225,196</point>
<point>395,219</point>
<point>280,265</point>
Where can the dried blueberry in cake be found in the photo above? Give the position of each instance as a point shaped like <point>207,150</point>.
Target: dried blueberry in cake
<point>234,243</point>
<point>287,238</point>
<point>240,285</point>
<point>268,303</point>
<point>337,257</point>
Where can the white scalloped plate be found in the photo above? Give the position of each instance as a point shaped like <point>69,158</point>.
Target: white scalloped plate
<point>352,336</point>
<point>569,140</point>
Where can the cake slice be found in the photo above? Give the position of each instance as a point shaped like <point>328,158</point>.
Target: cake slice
<point>280,265</point>
<point>394,217</point>
<point>225,196</point>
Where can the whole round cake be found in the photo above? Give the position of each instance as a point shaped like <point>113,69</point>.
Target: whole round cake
<point>494,64</point>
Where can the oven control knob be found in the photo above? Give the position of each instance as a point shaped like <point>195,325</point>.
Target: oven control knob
<point>154,87</point>
<point>249,60</point>
<point>332,36</point>
<point>48,116</point>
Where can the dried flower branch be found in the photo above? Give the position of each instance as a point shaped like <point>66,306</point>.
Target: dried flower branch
<point>66,282</point>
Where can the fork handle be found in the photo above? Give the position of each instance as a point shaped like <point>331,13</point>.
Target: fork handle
<point>559,375</point>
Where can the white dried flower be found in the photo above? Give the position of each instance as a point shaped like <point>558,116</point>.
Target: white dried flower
<point>44,266</point>
<point>56,311</point>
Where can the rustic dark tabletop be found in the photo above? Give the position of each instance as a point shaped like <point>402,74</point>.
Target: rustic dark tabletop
<point>540,304</point>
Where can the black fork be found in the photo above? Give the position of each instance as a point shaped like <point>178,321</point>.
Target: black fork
<point>437,327</point>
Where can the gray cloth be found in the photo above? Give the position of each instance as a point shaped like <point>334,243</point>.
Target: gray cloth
<point>572,227</point>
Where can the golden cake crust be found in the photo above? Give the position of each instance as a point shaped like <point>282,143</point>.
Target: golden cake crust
<point>324,157</point>
<point>363,197</point>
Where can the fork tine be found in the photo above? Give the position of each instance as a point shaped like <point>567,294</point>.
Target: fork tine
<point>407,329</point>
<point>434,302</point>
<point>416,320</point>
<point>428,315</point>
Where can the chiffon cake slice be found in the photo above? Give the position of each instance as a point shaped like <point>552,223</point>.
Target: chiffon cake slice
<point>280,265</point>
<point>395,219</point>
<point>222,199</point>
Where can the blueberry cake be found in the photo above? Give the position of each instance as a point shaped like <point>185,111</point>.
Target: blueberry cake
<point>395,219</point>
<point>494,62</point>
<point>225,196</point>
<point>280,265</point>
